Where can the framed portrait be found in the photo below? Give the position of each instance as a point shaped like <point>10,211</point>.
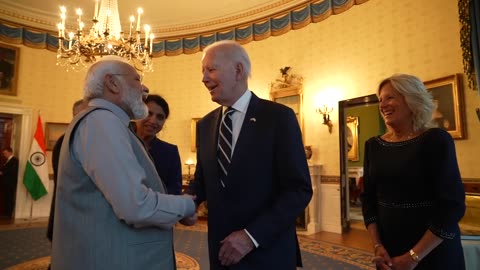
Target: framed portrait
<point>352,138</point>
<point>193,130</point>
<point>449,110</point>
<point>53,131</point>
<point>9,61</point>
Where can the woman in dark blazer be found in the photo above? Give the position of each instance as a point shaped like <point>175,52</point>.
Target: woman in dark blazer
<point>165,155</point>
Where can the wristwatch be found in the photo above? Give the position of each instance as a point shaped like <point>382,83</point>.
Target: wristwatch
<point>414,256</point>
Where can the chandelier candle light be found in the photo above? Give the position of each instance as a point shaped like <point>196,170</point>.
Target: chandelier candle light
<point>105,37</point>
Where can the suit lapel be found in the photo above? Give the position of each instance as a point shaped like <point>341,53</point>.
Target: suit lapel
<point>247,132</point>
<point>6,162</point>
<point>211,142</point>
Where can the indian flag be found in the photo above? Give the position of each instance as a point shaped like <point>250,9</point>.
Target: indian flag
<point>36,172</point>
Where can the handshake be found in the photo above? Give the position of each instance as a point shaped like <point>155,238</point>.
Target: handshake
<point>190,220</point>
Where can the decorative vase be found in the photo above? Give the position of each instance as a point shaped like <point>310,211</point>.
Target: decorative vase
<point>308,151</point>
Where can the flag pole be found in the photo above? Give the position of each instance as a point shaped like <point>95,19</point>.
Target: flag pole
<point>31,210</point>
<point>36,177</point>
<point>30,215</point>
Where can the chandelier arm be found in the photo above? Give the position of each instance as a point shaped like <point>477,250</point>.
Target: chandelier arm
<point>104,37</point>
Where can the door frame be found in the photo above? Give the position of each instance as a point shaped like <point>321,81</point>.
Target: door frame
<point>342,123</point>
<point>22,139</point>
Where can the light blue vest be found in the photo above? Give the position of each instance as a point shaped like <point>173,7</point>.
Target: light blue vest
<point>88,235</point>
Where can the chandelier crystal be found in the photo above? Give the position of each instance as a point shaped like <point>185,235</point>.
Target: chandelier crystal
<point>83,47</point>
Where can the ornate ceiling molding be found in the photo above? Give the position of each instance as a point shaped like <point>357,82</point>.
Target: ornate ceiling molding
<point>40,19</point>
<point>191,39</point>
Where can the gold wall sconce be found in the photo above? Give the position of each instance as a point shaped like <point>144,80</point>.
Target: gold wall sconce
<point>325,112</point>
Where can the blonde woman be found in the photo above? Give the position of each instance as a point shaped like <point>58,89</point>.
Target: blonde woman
<point>413,197</point>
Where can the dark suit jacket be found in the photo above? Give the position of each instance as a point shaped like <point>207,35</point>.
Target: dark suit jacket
<point>167,162</point>
<point>8,181</point>
<point>55,160</point>
<point>10,174</point>
<point>267,187</point>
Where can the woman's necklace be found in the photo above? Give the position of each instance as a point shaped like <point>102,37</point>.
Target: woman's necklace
<point>391,137</point>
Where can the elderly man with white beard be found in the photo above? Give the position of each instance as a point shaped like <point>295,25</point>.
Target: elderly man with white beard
<point>112,210</point>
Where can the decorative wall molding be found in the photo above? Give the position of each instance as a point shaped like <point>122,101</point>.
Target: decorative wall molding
<point>255,30</point>
<point>330,179</point>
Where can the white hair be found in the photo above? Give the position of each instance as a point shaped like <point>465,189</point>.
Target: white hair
<point>235,53</point>
<point>93,85</point>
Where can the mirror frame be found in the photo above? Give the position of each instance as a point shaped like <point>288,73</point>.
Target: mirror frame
<point>291,91</point>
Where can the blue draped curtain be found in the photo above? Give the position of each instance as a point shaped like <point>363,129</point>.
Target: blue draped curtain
<point>277,24</point>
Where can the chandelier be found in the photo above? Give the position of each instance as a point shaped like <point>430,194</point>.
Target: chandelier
<point>82,47</point>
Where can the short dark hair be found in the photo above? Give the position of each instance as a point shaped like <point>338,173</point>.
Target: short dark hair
<point>160,102</point>
<point>77,104</point>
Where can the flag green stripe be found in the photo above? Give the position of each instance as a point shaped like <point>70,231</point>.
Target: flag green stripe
<point>33,183</point>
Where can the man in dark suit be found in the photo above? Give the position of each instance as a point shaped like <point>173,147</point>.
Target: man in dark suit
<point>256,184</point>
<point>78,106</point>
<point>9,175</point>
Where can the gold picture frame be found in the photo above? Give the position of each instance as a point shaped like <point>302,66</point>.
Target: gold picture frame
<point>291,97</point>
<point>352,138</point>
<point>9,61</point>
<point>449,113</point>
<point>193,134</point>
<point>53,131</point>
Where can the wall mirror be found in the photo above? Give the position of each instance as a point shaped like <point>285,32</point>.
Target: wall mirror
<point>287,90</point>
<point>291,98</point>
<point>359,120</point>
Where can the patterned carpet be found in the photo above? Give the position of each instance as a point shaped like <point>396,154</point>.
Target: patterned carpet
<point>184,262</point>
<point>28,249</point>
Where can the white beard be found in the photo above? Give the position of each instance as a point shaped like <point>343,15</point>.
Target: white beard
<point>135,103</point>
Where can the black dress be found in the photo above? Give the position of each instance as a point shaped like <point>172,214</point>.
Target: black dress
<point>414,186</point>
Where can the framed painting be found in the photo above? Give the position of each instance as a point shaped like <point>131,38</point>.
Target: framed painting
<point>193,134</point>
<point>352,138</point>
<point>53,131</point>
<point>9,61</point>
<point>449,110</point>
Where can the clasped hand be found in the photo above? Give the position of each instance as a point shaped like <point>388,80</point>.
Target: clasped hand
<point>190,220</point>
<point>383,261</point>
<point>234,247</point>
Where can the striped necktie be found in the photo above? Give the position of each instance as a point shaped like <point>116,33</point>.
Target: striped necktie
<point>224,150</point>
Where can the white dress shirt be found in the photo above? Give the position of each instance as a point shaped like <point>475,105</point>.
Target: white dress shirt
<point>240,106</point>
